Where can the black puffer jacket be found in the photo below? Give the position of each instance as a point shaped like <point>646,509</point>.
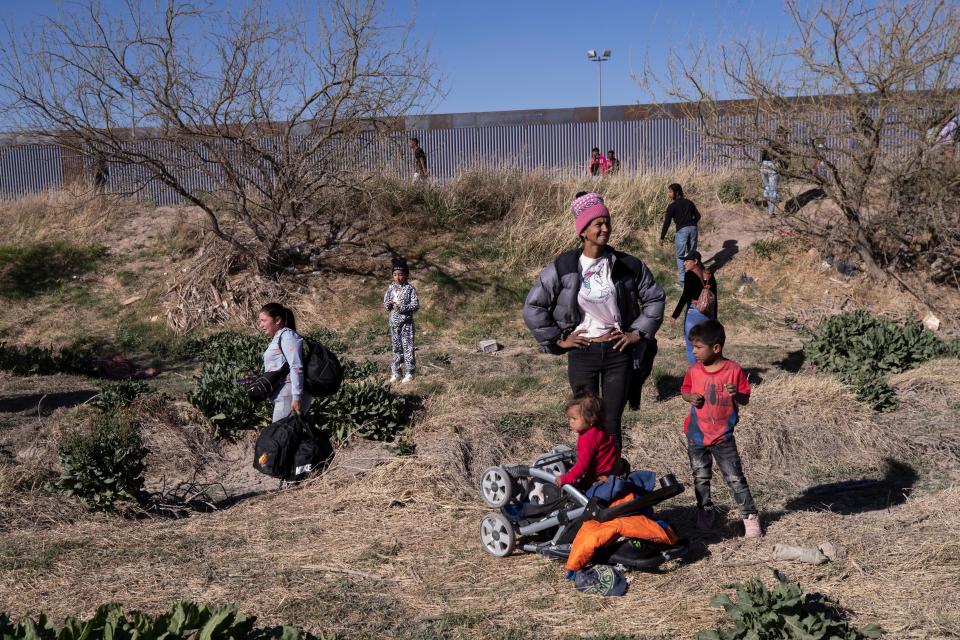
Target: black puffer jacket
<point>551,310</point>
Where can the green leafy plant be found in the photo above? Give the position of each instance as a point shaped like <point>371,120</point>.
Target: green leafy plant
<point>770,248</point>
<point>782,613</point>
<point>228,357</point>
<point>103,464</point>
<point>185,621</point>
<point>862,348</point>
<point>359,370</point>
<point>114,396</point>
<point>369,409</point>
<point>363,407</point>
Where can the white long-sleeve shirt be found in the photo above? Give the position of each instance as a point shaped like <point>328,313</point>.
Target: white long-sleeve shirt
<point>286,347</point>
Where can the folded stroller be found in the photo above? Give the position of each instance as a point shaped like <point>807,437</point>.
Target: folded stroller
<point>537,516</point>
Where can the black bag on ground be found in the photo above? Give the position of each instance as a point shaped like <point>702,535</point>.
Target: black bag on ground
<point>290,449</point>
<point>323,373</point>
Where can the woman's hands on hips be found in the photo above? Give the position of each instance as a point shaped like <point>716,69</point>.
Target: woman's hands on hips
<point>624,340</point>
<point>575,340</point>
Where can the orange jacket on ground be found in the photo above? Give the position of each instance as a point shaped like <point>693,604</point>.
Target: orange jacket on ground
<point>593,535</point>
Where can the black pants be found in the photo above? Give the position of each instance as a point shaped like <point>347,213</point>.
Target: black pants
<point>604,370</point>
<point>728,459</point>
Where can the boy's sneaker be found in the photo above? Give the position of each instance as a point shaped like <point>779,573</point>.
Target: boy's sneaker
<point>751,526</point>
<point>706,518</point>
<point>408,378</point>
<point>394,377</point>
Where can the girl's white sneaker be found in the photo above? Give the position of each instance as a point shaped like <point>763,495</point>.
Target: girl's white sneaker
<point>394,377</point>
<point>408,378</point>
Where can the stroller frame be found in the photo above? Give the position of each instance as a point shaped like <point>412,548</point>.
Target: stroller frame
<point>499,531</point>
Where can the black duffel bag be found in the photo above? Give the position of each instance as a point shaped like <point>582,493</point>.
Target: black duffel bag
<point>290,449</point>
<point>261,387</point>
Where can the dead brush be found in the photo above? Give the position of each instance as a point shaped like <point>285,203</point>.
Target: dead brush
<point>218,286</point>
<point>177,437</point>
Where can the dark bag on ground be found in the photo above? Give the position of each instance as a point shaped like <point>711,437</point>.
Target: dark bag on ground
<point>322,372</point>
<point>262,387</point>
<point>290,449</point>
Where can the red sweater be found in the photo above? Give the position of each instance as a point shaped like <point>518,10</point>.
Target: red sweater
<point>597,454</point>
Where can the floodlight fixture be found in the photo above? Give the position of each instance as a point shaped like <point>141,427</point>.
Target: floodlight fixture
<point>600,56</point>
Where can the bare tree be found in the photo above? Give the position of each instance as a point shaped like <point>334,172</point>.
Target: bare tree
<point>848,108</point>
<point>255,117</point>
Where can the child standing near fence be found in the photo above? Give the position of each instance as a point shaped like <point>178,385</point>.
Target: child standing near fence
<point>716,387</point>
<point>402,302</point>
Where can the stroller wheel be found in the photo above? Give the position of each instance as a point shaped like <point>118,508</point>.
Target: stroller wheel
<point>496,487</point>
<point>497,535</point>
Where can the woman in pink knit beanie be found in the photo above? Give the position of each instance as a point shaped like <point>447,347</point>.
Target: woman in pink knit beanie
<point>599,306</point>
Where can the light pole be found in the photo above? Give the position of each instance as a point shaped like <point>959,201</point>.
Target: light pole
<point>600,57</point>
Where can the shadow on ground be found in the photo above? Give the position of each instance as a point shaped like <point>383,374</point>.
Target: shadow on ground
<point>44,403</point>
<point>720,259</point>
<point>859,495</point>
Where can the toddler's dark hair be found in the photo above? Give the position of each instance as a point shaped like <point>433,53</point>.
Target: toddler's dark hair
<point>591,406</point>
<point>709,333</point>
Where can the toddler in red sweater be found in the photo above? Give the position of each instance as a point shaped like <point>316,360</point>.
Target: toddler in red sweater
<point>597,452</point>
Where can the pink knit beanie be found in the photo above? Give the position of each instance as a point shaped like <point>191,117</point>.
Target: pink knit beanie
<point>586,208</point>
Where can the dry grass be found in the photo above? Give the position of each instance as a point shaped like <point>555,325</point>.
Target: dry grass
<point>217,287</point>
<point>73,214</point>
<point>540,223</point>
<point>411,542</point>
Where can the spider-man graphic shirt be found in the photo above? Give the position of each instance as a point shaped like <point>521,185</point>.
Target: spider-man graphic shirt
<point>713,422</point>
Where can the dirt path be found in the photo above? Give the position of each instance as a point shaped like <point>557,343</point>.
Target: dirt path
<point>730,230</point>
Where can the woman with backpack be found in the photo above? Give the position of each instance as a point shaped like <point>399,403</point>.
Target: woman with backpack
<point>600,307</point>
<point>285,349</point>
<point>699,298</point>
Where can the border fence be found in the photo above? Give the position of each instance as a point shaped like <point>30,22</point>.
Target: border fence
<point>556,141</point>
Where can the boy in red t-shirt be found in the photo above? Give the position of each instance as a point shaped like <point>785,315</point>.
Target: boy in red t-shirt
<point>597,451</point>
<point>716,387</point>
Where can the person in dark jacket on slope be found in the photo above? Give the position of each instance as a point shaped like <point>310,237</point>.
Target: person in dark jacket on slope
<point>685,215</point>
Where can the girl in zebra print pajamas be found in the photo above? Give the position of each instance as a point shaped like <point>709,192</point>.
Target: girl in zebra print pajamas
<point>402,302</point>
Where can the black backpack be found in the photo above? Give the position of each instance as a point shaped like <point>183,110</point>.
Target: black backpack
<point>290,449</point>
<point>322,371</point>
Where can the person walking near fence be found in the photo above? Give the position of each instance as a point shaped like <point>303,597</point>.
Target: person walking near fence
<point>685,215</point>
<point>420,161</point>
<point>613,163</point>
<point>770,178</point>
<point>599,306</point>
<point>598,164</point>
<point>696,307</point>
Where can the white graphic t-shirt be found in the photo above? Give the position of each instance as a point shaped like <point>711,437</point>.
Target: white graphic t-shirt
<point>597,298</point>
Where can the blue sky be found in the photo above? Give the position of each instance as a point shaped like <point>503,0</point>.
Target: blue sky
<point>499,55</point>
